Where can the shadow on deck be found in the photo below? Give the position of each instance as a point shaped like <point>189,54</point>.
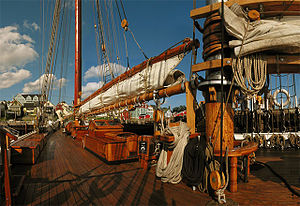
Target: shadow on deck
<point>65,174</point>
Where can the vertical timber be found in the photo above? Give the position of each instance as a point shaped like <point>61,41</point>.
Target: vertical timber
<point>6,169</point>
<point>190,107</point>
<point>77,86</point>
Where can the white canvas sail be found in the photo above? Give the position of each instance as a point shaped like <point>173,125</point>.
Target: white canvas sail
<point>153,77</point>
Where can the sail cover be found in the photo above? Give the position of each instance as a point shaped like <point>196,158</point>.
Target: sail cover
<point>263,35</point>
<point>155,76</point>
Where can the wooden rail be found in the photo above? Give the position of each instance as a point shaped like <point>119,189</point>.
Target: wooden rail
<point>270,7</point>
<point>7,177</point>
<point>276,64</point>
<point>233,154</point>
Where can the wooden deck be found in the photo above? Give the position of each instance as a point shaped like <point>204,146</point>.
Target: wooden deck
<point>65,174</point>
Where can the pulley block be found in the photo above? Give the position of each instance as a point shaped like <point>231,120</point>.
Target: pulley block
<point>216,181</point>
<point>124,24</point>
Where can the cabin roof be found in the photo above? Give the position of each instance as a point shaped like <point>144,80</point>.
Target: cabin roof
<point>31,95</point>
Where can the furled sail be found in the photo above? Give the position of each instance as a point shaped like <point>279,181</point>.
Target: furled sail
<point>154,74</point>
<point>263,35</point>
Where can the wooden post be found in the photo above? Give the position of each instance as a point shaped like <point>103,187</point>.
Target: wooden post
<point>190,107</point>
<point>233,174</point>
<point>213,118</point>
<point>77,84</point>
<point>4,154</point>
<point>25,128</point>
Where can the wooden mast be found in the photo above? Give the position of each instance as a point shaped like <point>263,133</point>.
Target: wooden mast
<point>77,86</point>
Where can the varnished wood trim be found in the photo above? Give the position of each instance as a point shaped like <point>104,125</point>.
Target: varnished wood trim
<point>205,11</point>
<point>167,92</point>
<point>280,64</point>
<point>190,107</point>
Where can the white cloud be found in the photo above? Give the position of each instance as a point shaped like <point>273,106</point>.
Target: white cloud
<point>16,50</point>
<point>70,5</point>
<point>32,26</point>
<point>92,72</point>
<point>27,38</point>
<point>98,71</point>
<point>89,88</point>
<point>8,79</point>
<point>37,84</point>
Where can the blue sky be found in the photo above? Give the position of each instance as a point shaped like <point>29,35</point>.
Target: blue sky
<point>157,25</point>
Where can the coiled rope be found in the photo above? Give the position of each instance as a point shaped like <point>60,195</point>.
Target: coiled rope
<point>194,161</point>
<point>250,73</point>
<point>171,172</point>
<point>210,165</point>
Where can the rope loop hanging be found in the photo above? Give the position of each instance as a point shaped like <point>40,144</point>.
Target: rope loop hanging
<point>250,73</point>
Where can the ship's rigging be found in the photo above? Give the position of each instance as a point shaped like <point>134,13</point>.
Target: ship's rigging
<point>156,78</point>
<point>107,40</point>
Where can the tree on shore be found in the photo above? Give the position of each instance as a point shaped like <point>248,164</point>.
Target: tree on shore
<point>179,108</point>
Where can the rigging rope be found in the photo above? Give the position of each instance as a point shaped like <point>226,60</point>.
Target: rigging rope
<point>97,43</point>
<point>137,44</point>
<point>118,11</point>
<point>238,73</point>
<point>210,165</point>
<point>125,27</point>
<point>49,64</point>
<point>56,48</point>
<point>63,53</point>
<point>68,50</point>
<point>43,39</point>
<point>125,40</point>
<point>100,22</point>
<point>194,161</point>
<point>244,67</point>
<point>126,49</point>
<point>220,193</point>
<point>115,32</point>
<point>107,31</point>
<point>250,73</point>
<point>123,9</point>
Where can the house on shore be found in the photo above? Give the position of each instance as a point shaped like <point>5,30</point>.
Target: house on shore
<point>30,102</point>
<point>15,109</point>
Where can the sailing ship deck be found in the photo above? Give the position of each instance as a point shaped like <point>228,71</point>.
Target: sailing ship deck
<point>65,174</point>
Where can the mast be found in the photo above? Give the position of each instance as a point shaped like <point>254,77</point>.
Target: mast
<point>77,85</point>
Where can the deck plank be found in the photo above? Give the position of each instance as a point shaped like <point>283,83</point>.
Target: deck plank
<point>63,176</point>
<point>66,174</point>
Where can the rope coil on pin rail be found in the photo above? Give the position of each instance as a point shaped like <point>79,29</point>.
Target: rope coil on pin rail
<point>280,142</point>
<point>244,68</point>
<point>292,140</point>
